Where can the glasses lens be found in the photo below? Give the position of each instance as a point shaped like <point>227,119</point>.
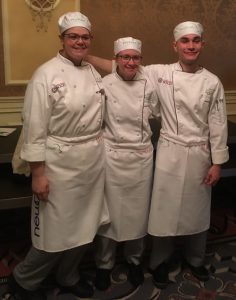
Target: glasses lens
<point>76,37</point>
<point>135,58</point>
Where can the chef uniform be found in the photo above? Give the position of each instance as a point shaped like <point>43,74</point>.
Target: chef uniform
<point>129,162</point>
<point>63,116</point>
<point>193,136</point>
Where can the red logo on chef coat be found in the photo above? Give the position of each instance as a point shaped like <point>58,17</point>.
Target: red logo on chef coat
<point>164,81</point>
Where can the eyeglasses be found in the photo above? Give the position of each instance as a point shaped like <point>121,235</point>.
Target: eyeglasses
<point>76,37</point>
<point>127,58</point>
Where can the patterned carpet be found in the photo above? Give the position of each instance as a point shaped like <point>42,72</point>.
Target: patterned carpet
<point>220,260</point>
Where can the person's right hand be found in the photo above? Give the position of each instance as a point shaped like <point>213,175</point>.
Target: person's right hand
<point>40,187</point>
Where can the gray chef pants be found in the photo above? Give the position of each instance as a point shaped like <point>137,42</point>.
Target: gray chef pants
<point>38,264</point>
<point>105,252</point>
<point>194,249</point>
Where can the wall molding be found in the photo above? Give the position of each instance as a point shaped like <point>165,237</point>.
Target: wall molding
<point>11,108</point>
<point>11,104</point>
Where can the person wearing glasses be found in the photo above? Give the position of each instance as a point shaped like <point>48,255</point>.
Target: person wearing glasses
<point>190,151</point>
<point>130,102</point>
<point>63,143</point>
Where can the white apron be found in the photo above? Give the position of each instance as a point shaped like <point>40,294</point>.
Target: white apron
<point>75,209</point>
<point>181,202</point>
<point>129,157</point>
<point>127,192</point>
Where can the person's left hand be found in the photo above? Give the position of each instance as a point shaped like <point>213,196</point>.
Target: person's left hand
<point>213,175</point>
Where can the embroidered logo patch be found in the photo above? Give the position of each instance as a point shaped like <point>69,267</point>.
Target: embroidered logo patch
<point>164,81</point>
<point>56,87</point>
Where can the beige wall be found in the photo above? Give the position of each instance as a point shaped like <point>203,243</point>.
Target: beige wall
<point>27,40</point>
<point>151,21</point>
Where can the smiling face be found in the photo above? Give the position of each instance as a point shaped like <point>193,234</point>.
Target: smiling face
<point>189,48</point>
<point>128,62</point>
<point>76,43</point>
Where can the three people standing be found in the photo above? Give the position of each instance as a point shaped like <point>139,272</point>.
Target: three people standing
<point>63,142</point>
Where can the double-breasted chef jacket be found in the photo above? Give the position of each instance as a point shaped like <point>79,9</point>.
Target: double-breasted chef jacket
<point>129,155</point>
<point>193,136</point>
<point>63,115</point>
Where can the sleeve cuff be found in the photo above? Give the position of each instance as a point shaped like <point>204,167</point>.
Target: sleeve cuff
<point>33,152</point>
<point>221,156</point>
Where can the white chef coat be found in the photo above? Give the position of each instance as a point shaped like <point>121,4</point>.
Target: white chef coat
<point>63,115</point>
<point>193,136</point>
<point>129,155</point>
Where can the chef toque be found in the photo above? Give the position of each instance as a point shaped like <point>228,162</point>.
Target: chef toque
<point>188,27</point>
<point>127,43</point>
<point>73,19</point>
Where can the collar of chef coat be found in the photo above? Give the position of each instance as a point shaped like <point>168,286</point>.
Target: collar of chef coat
<point>177,67</point>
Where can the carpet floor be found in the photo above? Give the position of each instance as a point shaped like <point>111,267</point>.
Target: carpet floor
<point>220,260</point>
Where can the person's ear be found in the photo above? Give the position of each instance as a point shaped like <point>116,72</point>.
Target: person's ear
<point>175,46</point>
<point>203,44</point>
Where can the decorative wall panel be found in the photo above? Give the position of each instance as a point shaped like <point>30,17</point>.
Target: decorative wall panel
<point>152,21</point>
<point>26,44</point>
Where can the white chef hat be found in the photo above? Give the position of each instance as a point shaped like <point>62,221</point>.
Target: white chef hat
<point>73,19</point>
<point>127,43</point>
<point>188,27</point>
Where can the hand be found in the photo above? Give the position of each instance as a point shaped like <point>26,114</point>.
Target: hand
<point>213,175</point>
<point>40,187</point>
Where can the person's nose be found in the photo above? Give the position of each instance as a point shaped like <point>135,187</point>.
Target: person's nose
<point>79,40</point>
<point>190,45</point>
<point>131,61</point>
